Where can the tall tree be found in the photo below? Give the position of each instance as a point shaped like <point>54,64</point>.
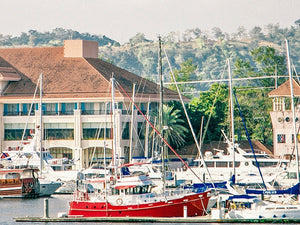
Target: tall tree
<point>175,131</point>
<point>184,74</point>
<point>213,105</point>
<point>264,62</point>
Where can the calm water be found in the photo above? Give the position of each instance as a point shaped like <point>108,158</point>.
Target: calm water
<point>12,208</point>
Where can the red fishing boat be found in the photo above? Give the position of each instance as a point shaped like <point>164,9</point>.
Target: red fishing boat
<point>19,183</point>
<point>132,196</point>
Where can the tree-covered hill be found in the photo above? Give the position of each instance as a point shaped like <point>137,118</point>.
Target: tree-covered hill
<point>140,55</point>
<point>56,37</point>
<point>208,51</point>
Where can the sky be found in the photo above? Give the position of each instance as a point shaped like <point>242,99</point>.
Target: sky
<point>121,20</point>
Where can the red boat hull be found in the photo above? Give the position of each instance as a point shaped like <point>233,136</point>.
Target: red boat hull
<point>196,205</point>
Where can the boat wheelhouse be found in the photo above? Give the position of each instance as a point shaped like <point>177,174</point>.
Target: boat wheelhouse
<point>19,183</point>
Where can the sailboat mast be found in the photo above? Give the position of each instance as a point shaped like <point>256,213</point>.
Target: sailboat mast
<point>161,88</point>
<point>41,123</point>
<point>132,123</point>
<point>161,115</point>
<point>293,109</point>
<point>231,115</point>
<point>114,122</point>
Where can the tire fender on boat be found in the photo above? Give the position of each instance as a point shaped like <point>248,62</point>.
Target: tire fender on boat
<point>119,201</point>
<point>28,188</point>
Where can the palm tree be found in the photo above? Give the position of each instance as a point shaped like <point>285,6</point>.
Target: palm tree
<point>175,131</point>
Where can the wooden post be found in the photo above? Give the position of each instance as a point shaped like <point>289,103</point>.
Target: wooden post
<point>46,208</point>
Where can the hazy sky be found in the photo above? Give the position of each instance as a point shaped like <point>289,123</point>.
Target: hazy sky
<point>122,19</point>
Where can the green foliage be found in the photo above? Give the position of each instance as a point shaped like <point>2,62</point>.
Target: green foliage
<point>269,64</point>
<point>183,75</point>
<point>54,38</point>
<point>172,118</point>
<point>138,38</point>
<point>213,105</point>
<point>176,131</point>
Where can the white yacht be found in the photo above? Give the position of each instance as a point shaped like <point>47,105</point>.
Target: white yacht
<point>220,166</point>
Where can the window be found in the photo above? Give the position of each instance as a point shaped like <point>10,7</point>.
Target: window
<point>50,108</point>
<point>96,131</point>
<point>14,131</point>
<point>280,138</point>
<point>210,164</point>
<point>11,110</point>
<point>143,107</point>
<point>67,108</point>
<point>126,130</point>
<point>58,131</point>
<point>237,164</point>
<point>103,108</point>
<point>61,152</point>
<point>141,130</point>
<point>87,108</point>
<point>26,108</point>
<point>221,164</point>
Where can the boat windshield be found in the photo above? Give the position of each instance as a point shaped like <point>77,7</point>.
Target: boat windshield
<point>132,190</point>
<point>265,164</point>
<point>11,176</point>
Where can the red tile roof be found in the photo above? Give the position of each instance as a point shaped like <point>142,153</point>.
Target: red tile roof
<point>284,90</point>
<point>70,77</point>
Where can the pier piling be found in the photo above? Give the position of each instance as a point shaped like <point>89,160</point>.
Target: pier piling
<point>46,208</point>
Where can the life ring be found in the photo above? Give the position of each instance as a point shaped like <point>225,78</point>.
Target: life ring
<point>119,201</point>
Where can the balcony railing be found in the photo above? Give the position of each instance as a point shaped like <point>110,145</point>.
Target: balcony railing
<point>18,113</point>
<point>71,112</point>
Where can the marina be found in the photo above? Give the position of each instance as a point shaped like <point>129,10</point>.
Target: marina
<point>118,176</point>
<point>29,211</point>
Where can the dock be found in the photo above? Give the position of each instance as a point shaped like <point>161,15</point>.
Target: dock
<point>214,218</point>
<point>202,219</point>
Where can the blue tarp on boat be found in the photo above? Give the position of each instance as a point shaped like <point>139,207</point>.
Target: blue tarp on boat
<point>291,191</point>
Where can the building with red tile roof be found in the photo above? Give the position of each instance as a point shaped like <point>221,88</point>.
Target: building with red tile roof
<point>76,98</point>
